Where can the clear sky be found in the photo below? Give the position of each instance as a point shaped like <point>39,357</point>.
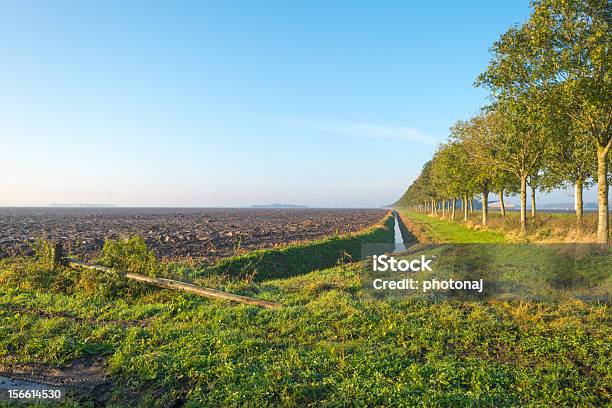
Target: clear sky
<point>234,103</point>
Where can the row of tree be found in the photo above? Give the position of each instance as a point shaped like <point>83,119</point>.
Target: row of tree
<point>549,121</point>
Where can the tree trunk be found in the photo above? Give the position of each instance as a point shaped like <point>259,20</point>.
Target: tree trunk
<point>523,205</point>
<point>465,208</point>
<point>444,208</point>
<point>471,205</point>
<point>502,205</point>
<point>485,206</point>
<point>603,226</point>
<point>579,201</point>
<point>434,205</point>
<point>453,209</point>
<point>533,202</point>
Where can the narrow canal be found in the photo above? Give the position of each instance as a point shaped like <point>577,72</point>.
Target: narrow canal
<point>399,238</point>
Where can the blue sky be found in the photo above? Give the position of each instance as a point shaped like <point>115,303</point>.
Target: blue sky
<point>234,103</point>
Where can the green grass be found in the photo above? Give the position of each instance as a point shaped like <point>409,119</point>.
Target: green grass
<point>551,273</point>
<point>545,227</point>
<point>333,344</point>
<point>441,230</point>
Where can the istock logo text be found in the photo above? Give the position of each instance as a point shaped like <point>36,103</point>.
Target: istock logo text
<point>383,263</point>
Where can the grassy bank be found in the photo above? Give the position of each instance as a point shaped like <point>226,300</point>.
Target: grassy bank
<point>331,345</point>
<point>514,268</point>
<point>300,258</point>
<point>440,230</point>
<point>545,227</point>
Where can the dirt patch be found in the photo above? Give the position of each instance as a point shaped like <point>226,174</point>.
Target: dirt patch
<point>417,230</point>
<point>202,234</point>
<point>83,379</point>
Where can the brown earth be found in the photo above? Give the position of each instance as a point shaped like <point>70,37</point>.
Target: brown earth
<point>202,234</point>
<point>81,378</point>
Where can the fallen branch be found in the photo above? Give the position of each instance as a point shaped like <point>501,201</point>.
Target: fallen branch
<point>177,285</point>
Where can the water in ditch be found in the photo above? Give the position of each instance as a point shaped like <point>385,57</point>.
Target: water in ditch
<point>399,238</point>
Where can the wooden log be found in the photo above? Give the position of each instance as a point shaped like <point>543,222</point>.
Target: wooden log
<point>57,254</point>
<point>74,264</point>
<point>185,287</point>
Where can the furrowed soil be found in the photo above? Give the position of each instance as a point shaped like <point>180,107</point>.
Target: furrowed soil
<point>202,234</point>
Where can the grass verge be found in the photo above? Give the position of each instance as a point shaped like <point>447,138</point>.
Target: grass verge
<point>331,345</point>
<point>440,230</point>
<point>297,259</point>
<point>544,227</point>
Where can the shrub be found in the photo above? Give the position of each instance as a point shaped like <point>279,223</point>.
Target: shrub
<point>24,273</point>
<point>38,273</point>
<point>43,251</point>
<point>130,255</point>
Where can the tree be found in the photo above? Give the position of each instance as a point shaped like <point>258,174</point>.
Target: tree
<point>572,161</point>
<point>518,101</point>
<point>420,192</point>
<point>504,140</point>
<point>450,173</point>
<point>504,183</point>
<point>470,134</point>
<point>565,46</point>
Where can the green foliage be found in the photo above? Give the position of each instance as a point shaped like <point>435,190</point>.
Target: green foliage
<point>38,273</point>
<point>27,273</point>
<point>44,252</point>
<point>129,255</point>
<point>552,75</point>
<point>452,173</point>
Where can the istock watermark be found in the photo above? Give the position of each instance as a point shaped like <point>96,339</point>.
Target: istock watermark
<point>383,263</point>
<point>478,271</point>
<point>388,263</point>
